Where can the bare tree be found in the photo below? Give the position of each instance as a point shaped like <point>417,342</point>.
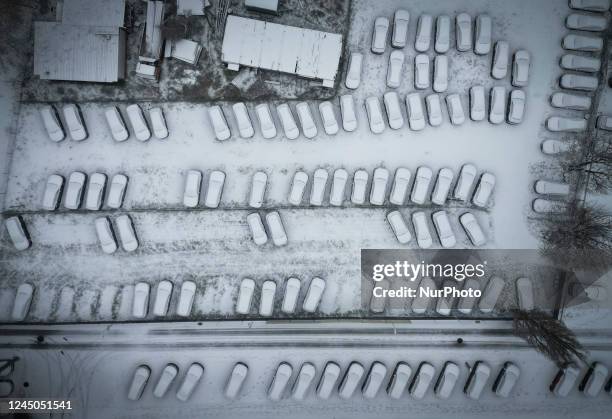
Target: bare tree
<point>596,164</point>
<point>549,336</point>
<point>175,28</point>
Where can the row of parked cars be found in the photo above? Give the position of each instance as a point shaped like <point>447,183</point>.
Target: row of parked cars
<point>392,189</point>
<point>77,191</point>
<point>124,229</point>
<point>193,186</point>
<point>550,190</point>
<point>290,296</point>
<point>75,126</point>
<point>276,228</point>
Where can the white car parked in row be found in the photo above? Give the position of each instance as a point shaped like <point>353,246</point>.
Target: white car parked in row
<point>583,43</point>
<point>590,5</point>
<point>401,182</point>
<point>399,381</point>
<point>216,180</point>
<point>191,194</point>
<point>582,22</point>
<point>353,75</point>
<point>319,184</point>
<point>127,236</point>
<point>375,116</point>
<point>105,234</point>
<point>484,190</point>
<point>309,128</point>
<point>243,120</point>
<point>442,44</point>
<point>116,191</point>
<point>464,32</point>
<point>74,122</point>
<point>455,109</point>
<point>162,298</point>
<point>563,124</point>
<point>421,185</point>
<point>17,232</point>
<point>351,380</point>
<point>219,123</point>
<point>139,381</point>
<point>544,187</point>
<point>266,123</point>
<point>379,35</point>
<point>444,229</point>
<point>287,121</point>
<point>434,110</point>
<point>553,147</point>
<point>414,108</point>
<point>442,186</point>
<point>74,191</point>
<point>421,230</point>
<point>401,20</point>
<point>192,378</point>
<point>276,228</point>
<point>477,380</point>
<point>448,379</point>
<point>423,34</point>
<point>21,306</point>
<point>313,295</point>
<point>565,380</point>
<point>440,78</point>
<point>360,184</point>
<point>580,63</point>
<point>472,229</point>
<point>517,107</point>
<point>266,301</point>
<point>158,123</point>
<point>166,379</point>
<point>138,122</point>
<point>501,55</point>
<point>95,191</point>
<point>394,112</point>
<point>298,186</point>
<point>467,177</point>
<point>399,227</point>
<point>52,123</point>
<point>258,232</point>
<point>328,117</point>
<point>258,189</point>
<point>571,101</point>
<point>497,105</point>
<point>292,292</point>
<point>53,192</point>
<point>520,68</point>
<point>482,41</point>
<point>336,196</point>
<point>422,381</point>
<point>421,71</point>
<point>116,124</point>
<point>378,191</point>
<point>394,69</point>
<point>545,206</point>
<point>347,111</point>
<point>577,82</point>
<point>478,109</point>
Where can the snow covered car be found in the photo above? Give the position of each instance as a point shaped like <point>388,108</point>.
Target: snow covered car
<point>379,35</point>
<point>292,292</point>
<point>115,123</point>
<point>517,107</point>
<point>186,297</point>
<point>442,43</point>
<point>329,378</point>
<point>191,380</point>
<point>328,117</point>
<point>414,108</point>
<point>258,189</point>
<point>421,71</point>
<point>53,192</point>
<point>604,122</point>
<point>162,298</point>
<point>442,186</point>
<point>546,206</point>
<point>375,116</point>
<point>257,229</point>
<point>552,147</point>
<point>565,380</point>
<point>353,75</point>
<point>138,121</point>
<point>379,186</point>
<point>74,191</point>
<point>497,105</point>
<point>465,182</point>
<point>472,229</point>
<point>216,180</point>
<point>313,295</point>
<point>347,112</point>
<point>444,229</point>
<point>562,124</point>
<point>266,301</point>
<point>577,82</point>
<point>421,185</point>
<point>421,230</point>
<point>374,380</point>
<point>434,110</point>
<point>23,301</point>
<point>191,194</point>
<point>280,381</point>
<point>298,186</point>
<point>582,22</point>
<point>166,379</point>
<point>501,54</point>
<point>127,236</point>
<point>464,32</point>
<point>52,123</point>
<point>95,191</point>
<point>105,235</point>
<point>266,123</point>
<point>399,227</point>
<point>580,63</point>
<point>570,101</point>
<point>520,68</point>
<point>17,232</point>
<point>477,380</point>
<point>422,380</point>
<point>399,381</point>
<point>158,123</point>
<point>585,43</point>
<point>116,191</point>
<point>544,187</point>
<point>360,183</point>
<point>139,381</point>
<point>478,109</point>
<point>423,34</point>
<point>74,122</point>
<point>447,380</point>
<point>590,5</point>
<point>276,228</point>
<point>401,20</point>
<point>243,120</point>
<point>595,380</point>
<point>484,190</point>
<point>309,128</point>
<point>455,109</point>
<point>235,381</point>
<point>440,78</point>
<point>482,41</point>
<point>319,183</point>
<point>394,69</point>
<point>219,123</point>
<point>491,294</point>
<point>401,182</point>
<point>287,121</point>
<point>336,196</point>
<point>394,112</point>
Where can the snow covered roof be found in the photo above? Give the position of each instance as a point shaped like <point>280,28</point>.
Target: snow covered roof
<point>94,12</point>
<point>288,49</point>
<point>79,53</point>
<point>262,5</point>
<point>191,7</point>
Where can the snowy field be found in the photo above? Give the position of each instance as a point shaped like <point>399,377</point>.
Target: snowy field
<point>213,247</point>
